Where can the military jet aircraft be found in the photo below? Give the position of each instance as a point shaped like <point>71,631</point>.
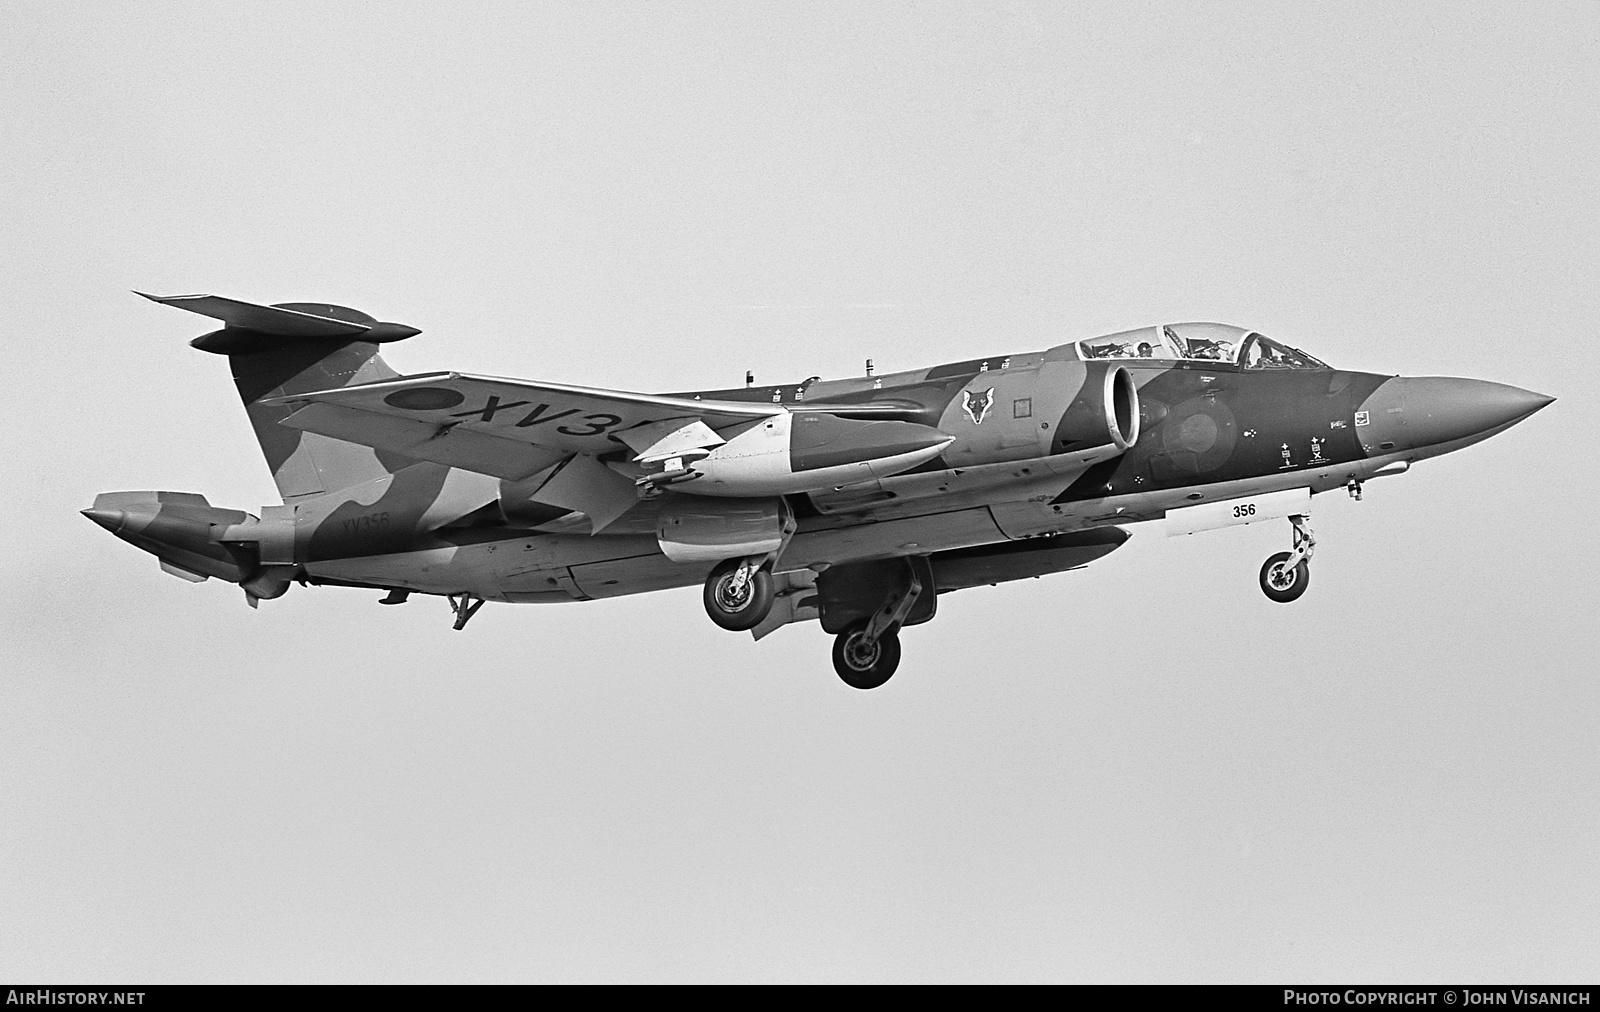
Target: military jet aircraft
<point>854,501</point>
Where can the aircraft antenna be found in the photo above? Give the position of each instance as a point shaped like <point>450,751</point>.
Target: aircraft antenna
<point>749,379</point>
<point>869,367</point>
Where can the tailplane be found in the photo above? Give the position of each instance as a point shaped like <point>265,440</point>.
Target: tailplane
<point>295,348</point>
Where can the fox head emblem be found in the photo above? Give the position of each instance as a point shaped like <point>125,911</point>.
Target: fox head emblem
<point>977,405</point>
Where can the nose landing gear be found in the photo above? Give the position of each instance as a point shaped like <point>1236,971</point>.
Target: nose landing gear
<point>739,593</point>
<point>1286,575</point>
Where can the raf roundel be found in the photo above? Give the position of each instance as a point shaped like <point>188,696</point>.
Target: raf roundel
<point>424,399</point>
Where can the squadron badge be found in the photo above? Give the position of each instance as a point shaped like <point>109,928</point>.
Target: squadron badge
<point>977,405</point>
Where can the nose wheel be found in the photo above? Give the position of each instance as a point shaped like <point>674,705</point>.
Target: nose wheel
<point>1286,575</point>
<point>739,593</point>
<point>1283,582</point>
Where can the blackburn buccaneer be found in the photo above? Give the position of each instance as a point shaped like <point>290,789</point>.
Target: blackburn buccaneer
<point>856,502</point>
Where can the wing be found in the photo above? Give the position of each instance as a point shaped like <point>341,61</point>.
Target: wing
<point>508,428</point>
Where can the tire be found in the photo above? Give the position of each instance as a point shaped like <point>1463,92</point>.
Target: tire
<point>860,669</point>
<point>742,611</point>
<point>1283,585</point>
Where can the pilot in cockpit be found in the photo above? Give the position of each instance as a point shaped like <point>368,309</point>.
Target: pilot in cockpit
<point>1216,351</point>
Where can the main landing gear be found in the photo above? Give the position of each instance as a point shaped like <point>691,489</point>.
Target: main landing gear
<point>1286,575</point>
<point>867,652</point>
<point>739,593</point>
<point>862,661</point>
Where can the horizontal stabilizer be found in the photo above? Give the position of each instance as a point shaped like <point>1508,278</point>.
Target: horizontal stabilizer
<point>299,321</point>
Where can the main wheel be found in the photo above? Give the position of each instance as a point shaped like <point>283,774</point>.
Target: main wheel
<point>1282,583</point>
<point>735,604</point>
<point>863,665</point>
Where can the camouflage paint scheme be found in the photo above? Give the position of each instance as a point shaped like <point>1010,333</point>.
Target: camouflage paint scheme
<point>1029,477</point>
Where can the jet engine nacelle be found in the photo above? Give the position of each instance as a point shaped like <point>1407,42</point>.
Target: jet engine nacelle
<point>1105,411</point>
<point>802,451</point>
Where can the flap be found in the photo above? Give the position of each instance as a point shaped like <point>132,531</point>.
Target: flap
<point>589,487</point>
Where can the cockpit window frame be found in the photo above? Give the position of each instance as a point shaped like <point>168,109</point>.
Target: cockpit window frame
<point>1156,337</point>
<point>1311,361</point>
<point>1169,337</point>
<point>1196,360</point>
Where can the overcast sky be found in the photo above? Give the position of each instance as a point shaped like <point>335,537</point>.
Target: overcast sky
<point>1140,771</point>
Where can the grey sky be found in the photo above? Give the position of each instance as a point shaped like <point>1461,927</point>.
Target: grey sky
<point>1141,771</point>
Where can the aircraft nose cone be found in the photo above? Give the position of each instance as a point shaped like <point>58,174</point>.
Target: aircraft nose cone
<point>1414,411</point>
<point>111,520</point>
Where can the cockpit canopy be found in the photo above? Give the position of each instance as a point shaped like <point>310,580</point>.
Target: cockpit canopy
<point>1199,342</point>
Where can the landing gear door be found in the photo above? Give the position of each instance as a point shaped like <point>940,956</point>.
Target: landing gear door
<point>853,591</point>
<point>1243,510</point>
<point>794,601</point>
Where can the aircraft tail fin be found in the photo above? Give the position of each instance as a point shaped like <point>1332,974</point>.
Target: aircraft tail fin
<point>294,348</point>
